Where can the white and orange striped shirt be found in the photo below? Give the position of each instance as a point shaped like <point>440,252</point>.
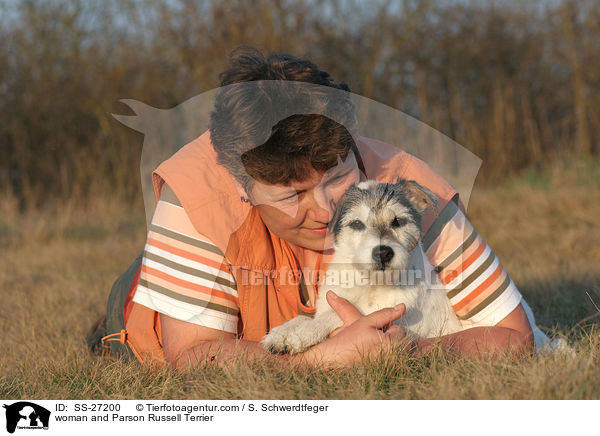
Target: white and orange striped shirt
<point>479,289</point>
<point>185,276</point>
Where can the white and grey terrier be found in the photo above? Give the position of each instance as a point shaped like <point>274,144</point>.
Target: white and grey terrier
<point>376,233</point>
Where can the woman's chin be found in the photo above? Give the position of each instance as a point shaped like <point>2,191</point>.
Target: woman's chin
<point>322,243</point>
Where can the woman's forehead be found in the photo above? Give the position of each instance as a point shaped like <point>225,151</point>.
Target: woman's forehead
<point>314,178</point>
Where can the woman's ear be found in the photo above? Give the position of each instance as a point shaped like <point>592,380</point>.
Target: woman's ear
<point>244,197</point>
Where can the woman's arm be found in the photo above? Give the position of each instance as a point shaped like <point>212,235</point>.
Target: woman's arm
<point>187,345</point>
<point>186,278</point>
<point>513,334</point>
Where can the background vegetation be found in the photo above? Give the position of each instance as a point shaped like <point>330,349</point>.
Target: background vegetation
<point>515,82</point>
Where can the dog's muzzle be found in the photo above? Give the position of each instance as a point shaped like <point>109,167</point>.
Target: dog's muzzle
<point>382,255</point>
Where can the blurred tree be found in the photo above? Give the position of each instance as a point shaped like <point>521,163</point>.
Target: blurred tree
<point>515,81</point>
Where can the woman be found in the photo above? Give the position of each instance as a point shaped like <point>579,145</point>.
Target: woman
<point>246,206</point>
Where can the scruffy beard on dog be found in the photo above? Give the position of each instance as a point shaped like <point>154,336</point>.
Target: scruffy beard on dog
<point>376,230</point>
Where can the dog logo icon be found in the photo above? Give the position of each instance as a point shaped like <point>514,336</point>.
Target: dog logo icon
<point>26,415</point>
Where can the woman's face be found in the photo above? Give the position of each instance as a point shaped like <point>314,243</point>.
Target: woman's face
<point>300,213</point>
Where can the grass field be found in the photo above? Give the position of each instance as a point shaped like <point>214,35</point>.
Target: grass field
<point>57,267</point>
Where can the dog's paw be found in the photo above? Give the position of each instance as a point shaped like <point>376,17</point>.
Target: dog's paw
<point>274,344</point>
<point>282,340</point>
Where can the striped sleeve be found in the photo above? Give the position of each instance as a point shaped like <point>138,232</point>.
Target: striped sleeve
<point>480,290</point>
<point>184,275</point>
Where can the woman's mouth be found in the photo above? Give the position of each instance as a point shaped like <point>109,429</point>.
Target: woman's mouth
<point>318,230</point>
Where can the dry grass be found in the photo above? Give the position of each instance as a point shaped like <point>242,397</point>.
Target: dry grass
<point>58,265</point>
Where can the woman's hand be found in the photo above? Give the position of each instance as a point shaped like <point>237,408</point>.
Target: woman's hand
<point>361,335</point>
<point>345,310</point>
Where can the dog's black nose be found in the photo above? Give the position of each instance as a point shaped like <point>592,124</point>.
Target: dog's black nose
<point>382,254</point>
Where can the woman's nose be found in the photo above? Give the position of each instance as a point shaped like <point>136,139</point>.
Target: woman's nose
<point>321,207</point>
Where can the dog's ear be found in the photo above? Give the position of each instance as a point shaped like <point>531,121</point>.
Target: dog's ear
<point>339,211</point>
<point>400,182</point>
<point>421,198</point>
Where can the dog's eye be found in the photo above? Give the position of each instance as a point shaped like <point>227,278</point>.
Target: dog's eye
<point>399,222</point>
<point>357,225</point>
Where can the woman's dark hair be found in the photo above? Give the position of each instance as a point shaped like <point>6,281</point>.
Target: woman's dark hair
<point>251,137</point>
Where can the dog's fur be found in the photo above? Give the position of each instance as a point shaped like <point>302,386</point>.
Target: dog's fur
<point>376,229</point>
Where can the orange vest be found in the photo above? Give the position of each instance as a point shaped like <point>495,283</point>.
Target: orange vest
<point>264,266</point>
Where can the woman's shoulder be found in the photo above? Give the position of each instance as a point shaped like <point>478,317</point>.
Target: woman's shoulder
<point>204,190</point>
<point>385,162</point>
<point>194,174</point>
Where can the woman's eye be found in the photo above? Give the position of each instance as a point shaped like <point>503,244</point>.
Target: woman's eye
<point>291,197</point>
<point>357,225</point>
<point>339,179</point>
<point>399,222</point>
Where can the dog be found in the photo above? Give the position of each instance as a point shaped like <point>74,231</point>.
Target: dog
<point>376,229</point>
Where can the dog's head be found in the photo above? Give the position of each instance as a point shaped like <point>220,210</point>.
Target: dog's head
<point>377,225</point>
